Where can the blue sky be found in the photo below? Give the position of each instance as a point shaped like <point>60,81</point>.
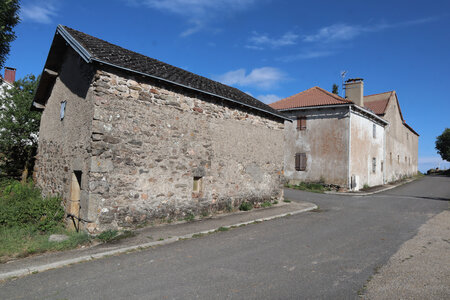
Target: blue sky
<point>273,49</point>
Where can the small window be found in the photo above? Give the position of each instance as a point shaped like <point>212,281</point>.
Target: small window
<point>382,166</point>
<point>374,131</point>
<point>398,158</point>
<point>63,110</point>
<point>374,165</point>
<point>301,123</point>
<point>390,156</point>
<point>407,136</point>
<point>300,161</point>
<point>197,186</point>
<point>406,159</point>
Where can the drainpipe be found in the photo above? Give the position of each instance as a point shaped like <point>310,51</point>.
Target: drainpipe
<point>349,176</point>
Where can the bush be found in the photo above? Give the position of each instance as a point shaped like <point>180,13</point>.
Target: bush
<point>245,206</point>
<point>21,205</point>
<point>108,235</point>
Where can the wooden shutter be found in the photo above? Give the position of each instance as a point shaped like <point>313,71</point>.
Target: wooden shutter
<point>300,161</point>
<point>301,123</point>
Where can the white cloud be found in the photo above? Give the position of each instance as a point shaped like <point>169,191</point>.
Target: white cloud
<point>343,32</point>
<point>259,41</point>
<point>198,13</point>
<point>265,78</point>
<point>305,55</point>
<point>41,12</point>
<point>269,98</point>
<point>336,32</point>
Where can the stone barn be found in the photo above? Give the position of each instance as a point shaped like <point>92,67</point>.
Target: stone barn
<point>126,139</point>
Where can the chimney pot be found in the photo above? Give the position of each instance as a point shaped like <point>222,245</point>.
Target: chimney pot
<point>10,74</point>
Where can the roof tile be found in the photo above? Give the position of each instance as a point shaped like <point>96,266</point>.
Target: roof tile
<point>106,52</point>
<point>314,96</point>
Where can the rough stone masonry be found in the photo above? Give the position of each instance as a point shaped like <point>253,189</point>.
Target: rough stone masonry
<point>150,151</point>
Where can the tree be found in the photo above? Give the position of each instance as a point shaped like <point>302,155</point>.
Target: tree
<point>19,128</point>
<point>9,18</point>
<point>335,89</point>
<point>443,144</point>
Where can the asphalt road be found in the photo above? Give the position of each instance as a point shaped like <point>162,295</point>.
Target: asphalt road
<point>325,254</point>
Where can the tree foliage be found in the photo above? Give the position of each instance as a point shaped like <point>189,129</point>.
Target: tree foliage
<point>335,89</point>
<point>443,144</point>
<point>9,18</point>
<point>19,128</point>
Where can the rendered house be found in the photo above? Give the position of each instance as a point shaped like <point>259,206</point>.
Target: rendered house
<point>402,141</point>
<point>351,142</point>
<point>333,140</point>
<point>127,139</point>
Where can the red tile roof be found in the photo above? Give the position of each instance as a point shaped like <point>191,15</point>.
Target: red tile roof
<point>377,102</point>
<point>315,96</point>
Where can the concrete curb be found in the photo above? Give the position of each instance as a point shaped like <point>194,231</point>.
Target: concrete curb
<point>66,262</point>
<point>371,193</point>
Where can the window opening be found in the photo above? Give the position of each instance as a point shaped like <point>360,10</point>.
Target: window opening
<point>301,123</point>
<point>63,110</point>
<point>374,165</point>
<point>300,161</point>
<point>197,185</point>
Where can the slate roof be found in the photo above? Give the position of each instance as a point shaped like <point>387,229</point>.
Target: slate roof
<point>95,49</point>
<point>314,96</point>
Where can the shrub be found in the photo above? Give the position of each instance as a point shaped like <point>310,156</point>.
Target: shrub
<point>21,205</point>
<point>107,235</point>
<point>245,206</point>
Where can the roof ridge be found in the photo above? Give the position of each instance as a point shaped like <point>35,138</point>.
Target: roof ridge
<point>380,93</point>
<point>332,95</point>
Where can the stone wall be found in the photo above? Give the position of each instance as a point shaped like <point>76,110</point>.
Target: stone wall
<point>151,140</point>
<point>64,145</point>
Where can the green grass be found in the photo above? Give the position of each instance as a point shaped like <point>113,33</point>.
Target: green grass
<point>27,220</point>
<point>266,204</point>
<point>16,242</point>
<point>315,187</point>
<point>287,200</point>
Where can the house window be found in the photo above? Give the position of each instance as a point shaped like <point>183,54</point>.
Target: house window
<point>63,110</point>
<point>390,156</point>
<point>301,123</point>
<point>406,160</point>
<point>398,158</point>
<point>197,186</point>
<point>382,166</point>
<point>300,161</point>
<point>374,131</point>
<point>374,165</point>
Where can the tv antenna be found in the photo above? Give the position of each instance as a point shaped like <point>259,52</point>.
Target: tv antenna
<point>343,74</point>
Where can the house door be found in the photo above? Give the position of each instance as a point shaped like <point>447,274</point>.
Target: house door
<point>74,202</point>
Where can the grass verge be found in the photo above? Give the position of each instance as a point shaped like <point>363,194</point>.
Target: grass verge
<point>315,187</point>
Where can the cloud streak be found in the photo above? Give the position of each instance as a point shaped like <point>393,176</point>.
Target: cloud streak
<point>41,12</point>
<point>327,40</point>
<point>198,13</point>
<point>264,78</point>
<point>260,41</point>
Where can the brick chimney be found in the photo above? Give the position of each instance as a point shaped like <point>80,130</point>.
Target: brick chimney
<point>10,74</point>
<point>354,91</point>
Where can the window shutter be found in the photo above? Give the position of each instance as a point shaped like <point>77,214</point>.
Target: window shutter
<point>301,123</point>
<point>302,161</point>
<point>297,162</point>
